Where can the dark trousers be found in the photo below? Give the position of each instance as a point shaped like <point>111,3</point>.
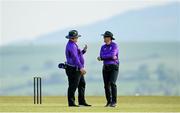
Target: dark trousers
<point>110,74</point>
<point>75,80</point>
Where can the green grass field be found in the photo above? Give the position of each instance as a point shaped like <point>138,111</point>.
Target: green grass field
<point>59,104</point>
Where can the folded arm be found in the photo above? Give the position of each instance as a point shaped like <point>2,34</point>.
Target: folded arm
<point>111,55</point>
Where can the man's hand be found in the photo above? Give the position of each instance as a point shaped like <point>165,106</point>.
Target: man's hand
<point>83,71</point>
<point>114,57</point>
<point>85,47</point>
<point>99,58</point>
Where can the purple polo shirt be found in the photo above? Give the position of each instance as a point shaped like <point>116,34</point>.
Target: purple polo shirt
<point>74,56</point>
<point>107,52</point>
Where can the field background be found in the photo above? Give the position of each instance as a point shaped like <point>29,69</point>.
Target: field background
<point>146,68</point>
<point>59,104</point>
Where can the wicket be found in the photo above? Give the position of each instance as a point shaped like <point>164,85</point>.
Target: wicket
<point>37,90</point>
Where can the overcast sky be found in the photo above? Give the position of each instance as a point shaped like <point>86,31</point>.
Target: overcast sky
<point>25,19</point>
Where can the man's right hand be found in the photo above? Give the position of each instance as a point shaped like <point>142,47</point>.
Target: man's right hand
<point>83,71</point>
<point>114,57</point>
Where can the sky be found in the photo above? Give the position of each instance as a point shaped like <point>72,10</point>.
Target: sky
<point>28,19</point>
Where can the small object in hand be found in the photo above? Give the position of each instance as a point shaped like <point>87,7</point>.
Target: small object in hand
<point>85,48</point>
<point>62,66</point>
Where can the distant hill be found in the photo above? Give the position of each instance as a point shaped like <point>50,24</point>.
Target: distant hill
<point>157,23</point>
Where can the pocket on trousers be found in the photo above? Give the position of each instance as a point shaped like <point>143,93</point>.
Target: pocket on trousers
<point>115,67</point>
<point>106,68</point>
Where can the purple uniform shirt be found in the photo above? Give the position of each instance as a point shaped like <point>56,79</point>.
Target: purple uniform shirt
<point>108,52</point>
<point>74,55</point>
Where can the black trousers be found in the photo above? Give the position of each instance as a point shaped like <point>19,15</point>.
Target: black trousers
<point>75,80</point>
<point>110,74</point>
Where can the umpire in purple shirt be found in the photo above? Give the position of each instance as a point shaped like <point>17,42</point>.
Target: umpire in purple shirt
<point>75,70</point>
<point>109,56</point>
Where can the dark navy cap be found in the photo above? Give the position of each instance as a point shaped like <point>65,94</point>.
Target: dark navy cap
<point>73,33</point>
<point>108,34</point>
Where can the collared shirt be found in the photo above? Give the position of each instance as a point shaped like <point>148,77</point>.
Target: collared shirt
<point>74,55</point>
<point>108,52</point>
